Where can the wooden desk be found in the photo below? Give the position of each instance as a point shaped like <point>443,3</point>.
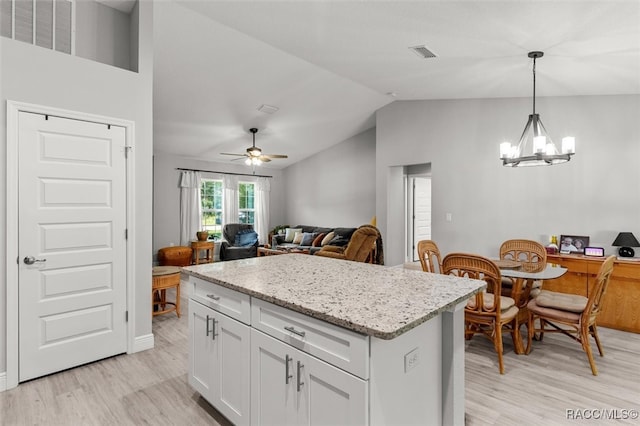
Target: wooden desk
<point>208,247</point>
<point>621,300</point>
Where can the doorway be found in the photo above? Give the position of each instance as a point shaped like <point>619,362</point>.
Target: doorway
<point>418,213</point>
<point>67,208</point>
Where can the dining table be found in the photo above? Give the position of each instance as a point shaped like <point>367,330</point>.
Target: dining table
<point>524,275</point>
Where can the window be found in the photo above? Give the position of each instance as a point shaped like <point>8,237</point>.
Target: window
<point>211,195</point>
<point>246,199</point>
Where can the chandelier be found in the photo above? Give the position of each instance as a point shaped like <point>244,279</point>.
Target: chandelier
<point>543,151</point>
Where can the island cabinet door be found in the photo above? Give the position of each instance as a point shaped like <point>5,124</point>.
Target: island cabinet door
<point>219,361</point>
<point>291,387</point>
<point>273,391</point>
<point>328,395</point>
<point>203,355</point>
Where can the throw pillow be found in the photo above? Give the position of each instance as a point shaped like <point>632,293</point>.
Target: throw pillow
<point>290,233</point>
<point>297,238</point>
<point>327,238</point>
<point>246,239</point>
<point>317,241</point>
<point>307,238</point>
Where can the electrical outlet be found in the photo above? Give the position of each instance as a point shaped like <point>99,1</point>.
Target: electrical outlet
<point>411,359</point>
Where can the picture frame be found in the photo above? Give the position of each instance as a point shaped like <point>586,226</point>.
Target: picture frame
<point>573,243</point>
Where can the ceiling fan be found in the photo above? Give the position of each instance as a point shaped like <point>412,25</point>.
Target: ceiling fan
<point>254,155</point>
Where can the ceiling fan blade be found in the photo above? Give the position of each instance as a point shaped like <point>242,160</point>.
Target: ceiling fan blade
<point>264,159</point>
<point>275,155</point>
<point>236,159</point>
<point>237,155</point>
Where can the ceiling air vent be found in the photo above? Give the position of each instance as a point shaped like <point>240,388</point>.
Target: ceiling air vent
<point>423,52</point>
<point>267,109</point>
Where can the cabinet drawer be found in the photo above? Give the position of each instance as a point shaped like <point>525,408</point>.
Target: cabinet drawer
<point>229,302</point>
<point>340,347</point>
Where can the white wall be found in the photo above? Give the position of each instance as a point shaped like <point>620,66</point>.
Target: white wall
<point>335,187</point>
<point>40,76</point>
<point>595,194</point>
<point>103,34</point>
<point>166,194</point>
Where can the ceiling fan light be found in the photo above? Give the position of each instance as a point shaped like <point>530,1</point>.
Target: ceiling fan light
<point>247,161</point>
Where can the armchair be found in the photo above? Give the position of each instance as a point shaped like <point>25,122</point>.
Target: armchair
<point>240,241</point>
<point>365,245</point>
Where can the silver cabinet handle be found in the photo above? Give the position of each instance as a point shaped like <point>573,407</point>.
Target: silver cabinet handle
<point>287,376</point>
<point>213,327</point>
<point>299,378</point>
<point>214,332</point>
<point>30,260</point>
<point>213,296</point>
<point>294,331</point>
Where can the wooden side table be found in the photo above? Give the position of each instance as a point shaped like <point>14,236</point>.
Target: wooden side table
<point>207,247</point>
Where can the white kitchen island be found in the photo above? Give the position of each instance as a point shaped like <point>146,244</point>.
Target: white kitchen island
<point>299,339</point>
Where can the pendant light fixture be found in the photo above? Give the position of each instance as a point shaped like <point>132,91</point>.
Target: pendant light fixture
<point>543,151</point>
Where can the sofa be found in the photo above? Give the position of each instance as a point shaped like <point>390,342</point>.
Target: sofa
<point>240,241</point>
<point>312,238</point>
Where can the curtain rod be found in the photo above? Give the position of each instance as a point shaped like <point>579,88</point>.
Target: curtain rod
<point>223,173</point>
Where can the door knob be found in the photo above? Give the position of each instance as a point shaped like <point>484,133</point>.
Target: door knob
<point>30,260</point>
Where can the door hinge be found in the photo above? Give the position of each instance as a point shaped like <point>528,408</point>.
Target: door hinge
<point>126,151</point>
<point>126,234</point>
<point>126,316</point>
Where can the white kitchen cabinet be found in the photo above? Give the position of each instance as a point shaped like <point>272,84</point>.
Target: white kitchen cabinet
<point>219,361</point>
<point>291,387</point>
<point>370,346</point>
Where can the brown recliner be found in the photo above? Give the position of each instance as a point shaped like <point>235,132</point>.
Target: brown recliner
<point>365,245</point>
<point>175,256</point>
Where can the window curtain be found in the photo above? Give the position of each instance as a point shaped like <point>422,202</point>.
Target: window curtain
<point>190,206</point>
<point>262,209</point>
<point>230,202</point>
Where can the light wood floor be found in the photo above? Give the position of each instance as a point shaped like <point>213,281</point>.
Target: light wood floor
<point>150,388</point>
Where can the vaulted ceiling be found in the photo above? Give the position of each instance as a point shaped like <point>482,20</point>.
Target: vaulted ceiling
<point>329,65</point>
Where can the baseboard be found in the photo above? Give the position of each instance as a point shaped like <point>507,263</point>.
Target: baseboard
<point>142,343</point>
<point>3,382</point>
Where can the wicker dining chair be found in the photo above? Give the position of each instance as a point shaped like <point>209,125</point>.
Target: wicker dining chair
<point>531,253</point>
<point>429,255</point>
<point>533,257</point>
<point>487,313</point>
<point>576,314</point>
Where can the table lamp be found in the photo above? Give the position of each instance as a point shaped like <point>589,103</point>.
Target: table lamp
<point>626,240</point>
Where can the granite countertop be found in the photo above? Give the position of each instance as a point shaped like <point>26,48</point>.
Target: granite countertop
<point>370,299</point>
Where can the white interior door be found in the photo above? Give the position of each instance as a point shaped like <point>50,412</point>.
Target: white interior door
<point>420,212</point>
<point>72,243</point>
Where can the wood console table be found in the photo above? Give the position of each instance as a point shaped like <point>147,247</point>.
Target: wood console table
<point>620,308</point>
